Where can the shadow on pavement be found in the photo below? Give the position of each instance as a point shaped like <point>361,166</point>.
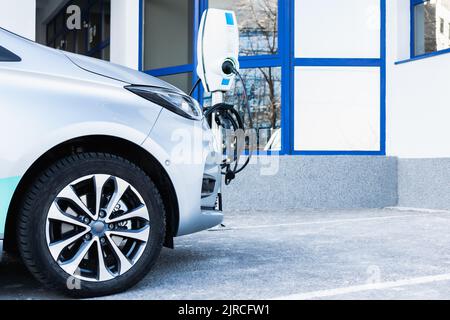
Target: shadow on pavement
<point>17,283</point>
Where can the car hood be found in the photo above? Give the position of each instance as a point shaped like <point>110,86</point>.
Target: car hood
<point>117,72</point>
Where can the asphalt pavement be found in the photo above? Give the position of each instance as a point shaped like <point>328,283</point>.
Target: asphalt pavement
<point>346,254</point>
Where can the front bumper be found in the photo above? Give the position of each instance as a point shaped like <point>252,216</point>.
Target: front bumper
<point>208,219</point>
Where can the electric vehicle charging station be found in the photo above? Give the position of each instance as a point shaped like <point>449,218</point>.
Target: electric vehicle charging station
<point>218,52</point>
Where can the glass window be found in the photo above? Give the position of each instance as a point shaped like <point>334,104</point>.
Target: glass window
<point>50,31</point>
<point>70,42</point>
<point>94,34</point>
<point>264,95</point>
<point>8,56</point>
<point>60,43</point>
<point>429,26</point>
<point>80,42</point>
<point>60,25</point>
<point>106,30</point>
<point>182,81</point>
<point>106,54</point>
<point>168,33</point>
<point>94,29</point>
<point>258,24</point>
<point>97,54</point>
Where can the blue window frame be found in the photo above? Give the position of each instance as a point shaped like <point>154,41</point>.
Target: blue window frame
<point>432,33</point>
<point>285,60</point>
<point>342,62</point>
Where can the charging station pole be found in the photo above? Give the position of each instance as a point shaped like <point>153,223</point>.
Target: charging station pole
<point>217,98</point>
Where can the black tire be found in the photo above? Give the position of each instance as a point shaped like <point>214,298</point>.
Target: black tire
<point>41,194</point>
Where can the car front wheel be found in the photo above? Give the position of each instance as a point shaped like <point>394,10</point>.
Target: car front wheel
<point>92,224</point>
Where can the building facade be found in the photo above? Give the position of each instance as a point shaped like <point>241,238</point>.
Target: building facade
<point>365,79</point>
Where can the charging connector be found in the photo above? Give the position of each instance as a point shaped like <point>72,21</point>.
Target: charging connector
<point>228,67</point>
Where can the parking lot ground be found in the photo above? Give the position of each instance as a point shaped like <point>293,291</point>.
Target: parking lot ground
<point>350,254</point>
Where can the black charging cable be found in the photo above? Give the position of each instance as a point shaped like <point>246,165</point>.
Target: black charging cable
<point>250,119</point>
<point>228,116</point>
<point>195,87</point>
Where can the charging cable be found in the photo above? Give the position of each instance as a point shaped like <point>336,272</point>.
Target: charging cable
<point>229,118</point>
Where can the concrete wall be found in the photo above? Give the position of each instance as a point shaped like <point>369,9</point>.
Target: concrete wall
<point>346,182</point>
<point>424,183</point>
<point>289,182</point>
<point>23,11</point>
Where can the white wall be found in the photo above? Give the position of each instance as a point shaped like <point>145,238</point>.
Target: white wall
<point>418,94</point>
<point>19,17</point>
<point>125,32</point>
<point>337,29</point>
<point>337,108</point>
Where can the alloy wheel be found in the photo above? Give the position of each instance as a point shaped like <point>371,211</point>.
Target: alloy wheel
<point>97,228</point>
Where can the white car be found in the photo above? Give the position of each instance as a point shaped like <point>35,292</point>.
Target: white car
<point>100,166</point>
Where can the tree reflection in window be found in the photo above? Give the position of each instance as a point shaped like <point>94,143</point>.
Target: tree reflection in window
<point>258,24</point>
<point>258,28</point>
<point>264,95</point>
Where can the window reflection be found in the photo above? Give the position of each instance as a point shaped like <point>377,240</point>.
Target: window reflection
<point>258,24</point>
<point>182,81</point>
<point>432,26</point>
<point>93,37</point>
<point>264,94</point>
<point>168,33</point>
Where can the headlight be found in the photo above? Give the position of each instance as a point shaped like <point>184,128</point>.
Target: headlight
<point>174,101</point>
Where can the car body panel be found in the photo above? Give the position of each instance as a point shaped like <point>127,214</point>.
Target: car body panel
<point>117,72</point>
